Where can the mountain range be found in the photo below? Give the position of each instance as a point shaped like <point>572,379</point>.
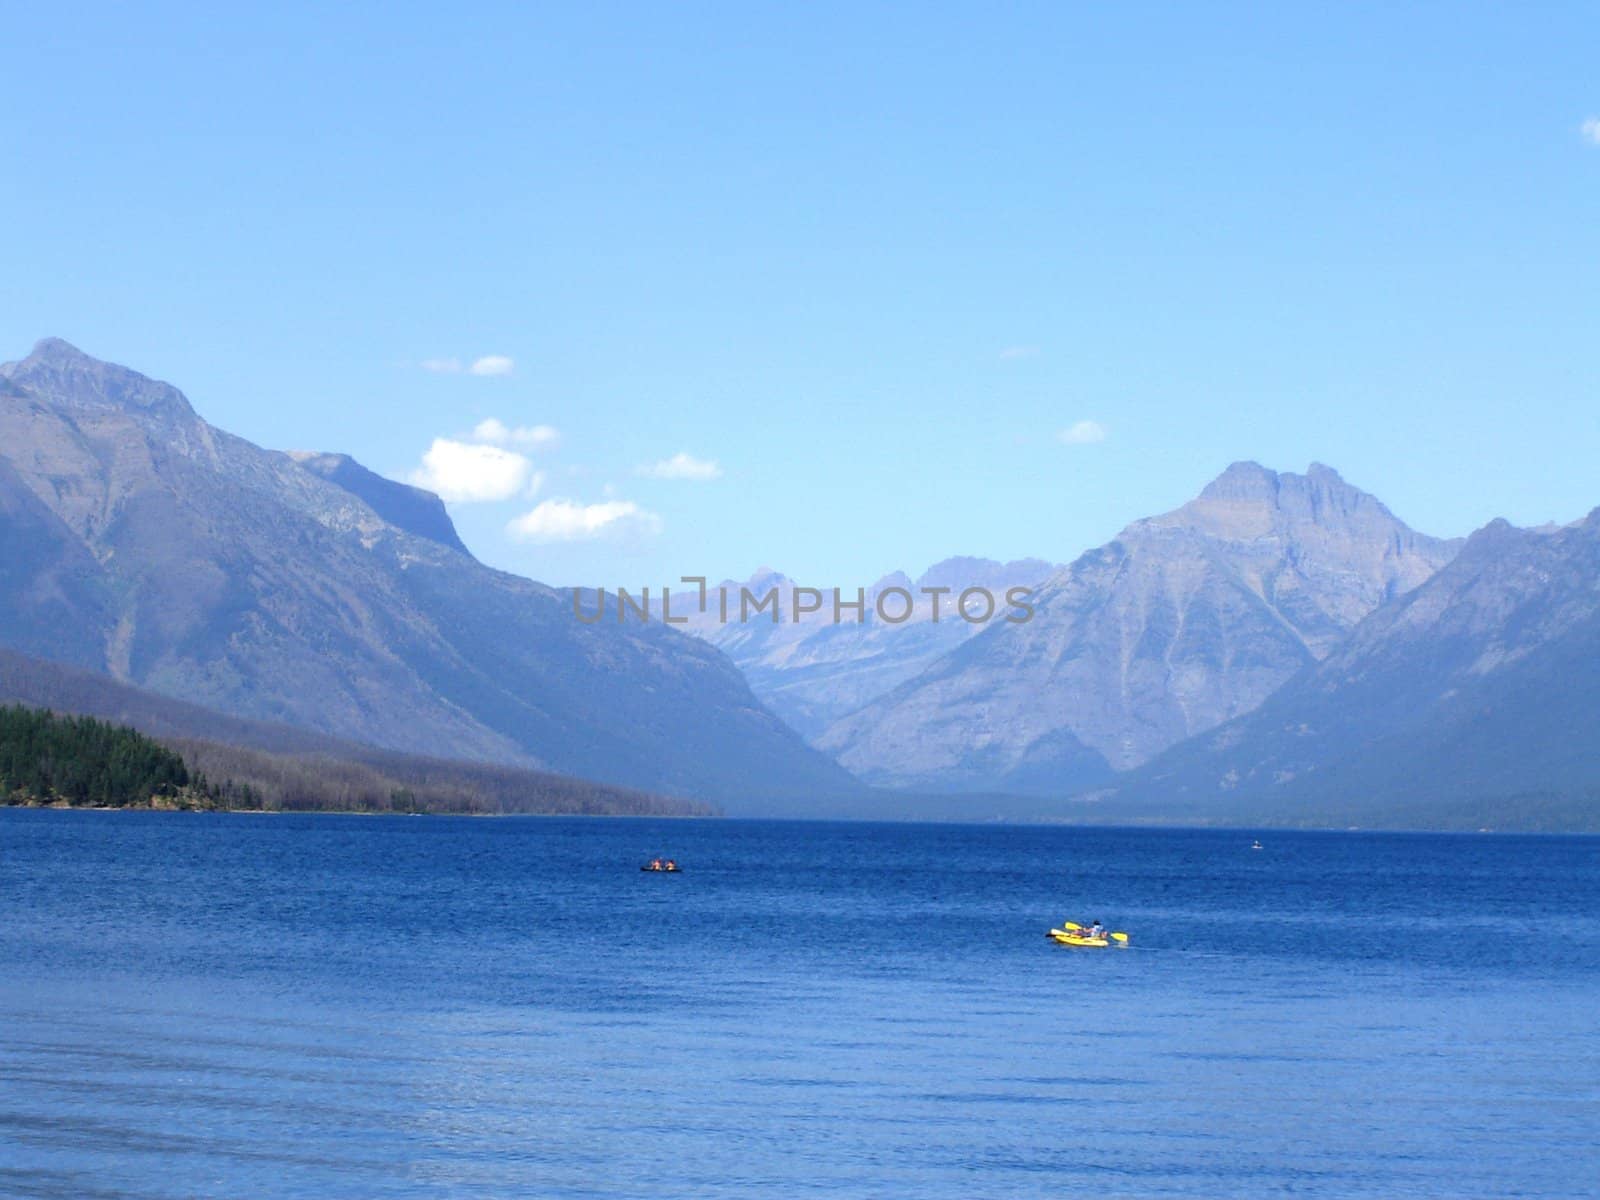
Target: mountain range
<point>1473,700</point>
<point>139,541</point>
<point>814,670</point>
<point>1282,648</point>
<point>1182,622</point>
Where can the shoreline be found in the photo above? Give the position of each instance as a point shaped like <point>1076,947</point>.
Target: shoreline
<point>339,812</point>
<point>1129,827</point>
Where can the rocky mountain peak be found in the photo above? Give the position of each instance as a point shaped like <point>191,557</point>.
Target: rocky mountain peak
<point>1244,480</point>
<point>1186,620</point>
<point>1249,501</point>
<point>58,350</point>
<point>1251,481</point>
<point>767,577</point>
<point>964,571</point>
<point>894,579</point>
<point>1497,534</point>
<point>64,373</point>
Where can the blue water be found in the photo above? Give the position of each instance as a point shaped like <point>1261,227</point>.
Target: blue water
<point>270,1006</point>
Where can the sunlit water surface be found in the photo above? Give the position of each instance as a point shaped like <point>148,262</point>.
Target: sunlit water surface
<point>258,1006</point>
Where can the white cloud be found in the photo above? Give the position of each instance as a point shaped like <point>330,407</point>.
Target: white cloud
<point>1591,131</point>
<point>1082,433</point>
<point>1012,353</point>
<point>463,473</point>
<point>683,466</point>
<point>491,364</point>
<point>569,521</point>
<point>441,366</point>
<point>498,433</point>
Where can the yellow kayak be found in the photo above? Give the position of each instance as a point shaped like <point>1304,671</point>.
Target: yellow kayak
<point>1076,935</point>
<point>1078,939</point>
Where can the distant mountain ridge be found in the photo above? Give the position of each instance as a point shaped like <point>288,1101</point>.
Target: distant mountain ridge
<point>817,670</point>
<point>142,542</point>
<point>1474,699</point>
<point>1182,622</point>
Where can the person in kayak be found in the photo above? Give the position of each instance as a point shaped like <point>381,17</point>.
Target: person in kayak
<point>1097,930</point>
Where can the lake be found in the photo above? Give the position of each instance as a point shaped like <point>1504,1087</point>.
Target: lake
<point>254,1006</point>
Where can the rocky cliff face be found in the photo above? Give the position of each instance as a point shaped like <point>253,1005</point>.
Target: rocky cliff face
<point>400,504</point>
<point>145,543</point>
<point>1481,685</point>
<point>1184,621</point>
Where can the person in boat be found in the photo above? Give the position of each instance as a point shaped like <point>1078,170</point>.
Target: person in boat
<point>1097,930</point>
<point>671,865</point>
<point>655,864</point>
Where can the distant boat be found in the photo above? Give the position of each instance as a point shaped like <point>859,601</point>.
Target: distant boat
<point>1256,846</point>
<point>659,865</point>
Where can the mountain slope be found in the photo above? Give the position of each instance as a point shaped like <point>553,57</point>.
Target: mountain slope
<point>1473,700</point>
<point>291,768</point>
<point>52,597</point>
<point>197,565</point>
<point>1184,621</point>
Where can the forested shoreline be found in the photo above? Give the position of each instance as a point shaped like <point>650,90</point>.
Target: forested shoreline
<point>53,760</point>
<point>81,762</point>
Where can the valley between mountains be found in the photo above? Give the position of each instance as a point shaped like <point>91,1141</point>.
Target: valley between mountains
<point>1280,649</point>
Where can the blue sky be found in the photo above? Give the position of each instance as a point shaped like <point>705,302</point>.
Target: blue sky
<point>869,261</point>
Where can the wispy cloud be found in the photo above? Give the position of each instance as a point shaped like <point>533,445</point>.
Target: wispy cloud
<point>1591,130</point>
<point>487,365</point>
<point>469,473</point>
<point>571,521</point>
<point>492,364</point>
<point>498,433</point>
<point>683,466</point>
<point>1012,353</point>
<point>1082,433</point>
